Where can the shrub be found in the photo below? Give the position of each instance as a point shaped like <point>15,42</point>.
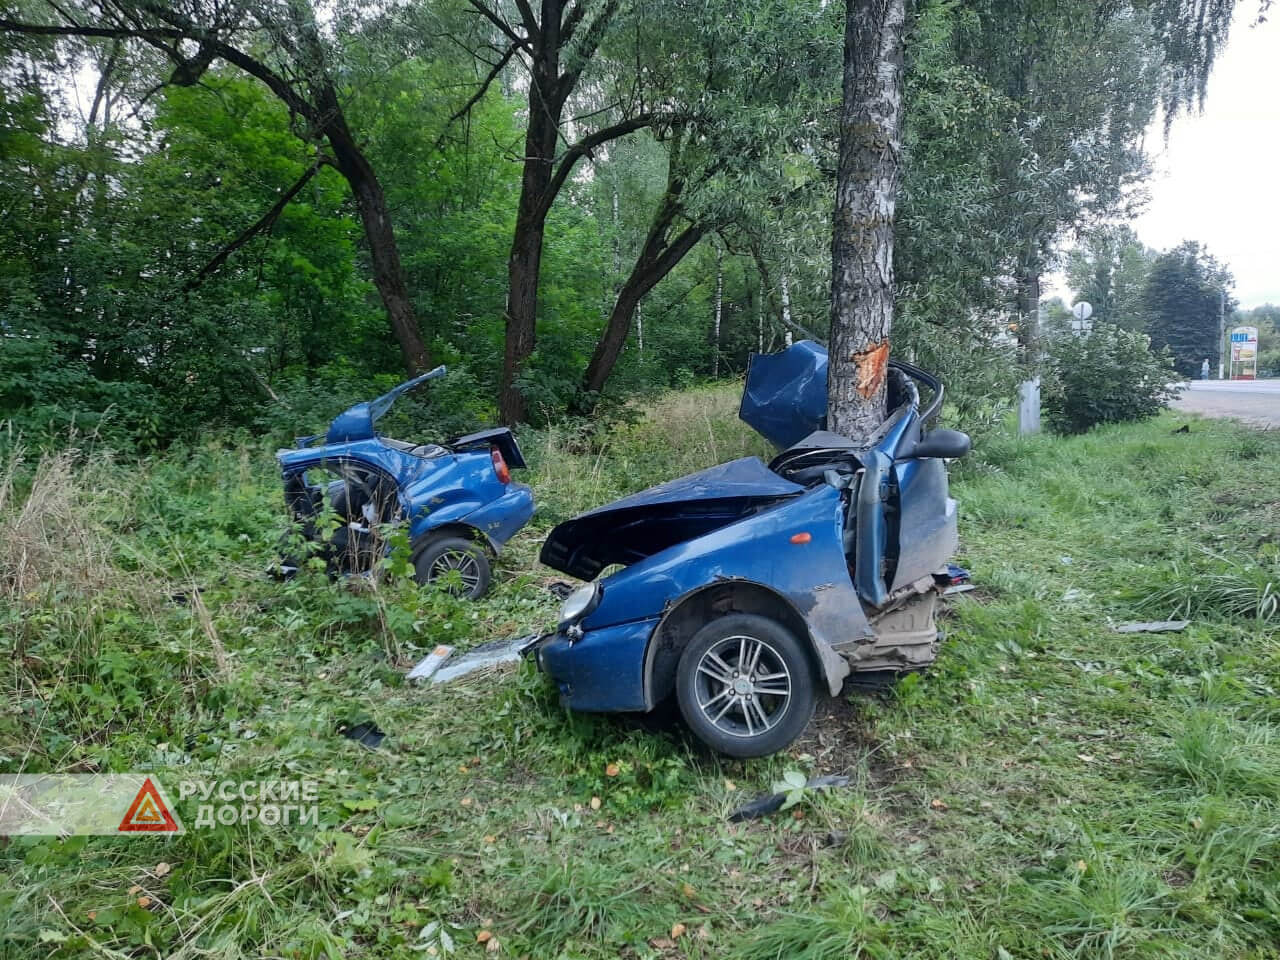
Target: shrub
<point>1108,376</point>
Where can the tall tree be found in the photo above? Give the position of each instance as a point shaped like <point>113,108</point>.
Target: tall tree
<point>665,244</point>
<point>866,197</point>
<point>556,45</point>
<point>296,67</point>
<point>1186,296</point>
<point>1108,268</point>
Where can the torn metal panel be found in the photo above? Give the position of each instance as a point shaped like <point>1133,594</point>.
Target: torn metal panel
<point>440,666</point>
<point>1154,626</point>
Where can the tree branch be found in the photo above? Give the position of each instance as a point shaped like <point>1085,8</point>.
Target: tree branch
<point>483,9</point>
<point>476,97</point>
<point>572,21</point>
<point>584,147</point>
<point>157,37</point>
<point>584,51</point>
<point>263,223</point>
<point>531,25</point>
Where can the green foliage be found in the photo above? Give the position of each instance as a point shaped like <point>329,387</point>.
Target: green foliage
<point>1108,376</point>
<point>1108,269</point>
<point>1184,298</point>
<point>108,222</point>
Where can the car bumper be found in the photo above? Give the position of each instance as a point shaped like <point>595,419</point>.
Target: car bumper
<point>602,671</point>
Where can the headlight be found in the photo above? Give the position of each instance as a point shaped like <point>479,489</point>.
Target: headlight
<point>579,603</point>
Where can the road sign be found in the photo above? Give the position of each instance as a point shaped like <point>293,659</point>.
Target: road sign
<point>1082,311</point>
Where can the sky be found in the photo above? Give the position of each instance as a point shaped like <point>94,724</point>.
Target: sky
<point>1217,179</point>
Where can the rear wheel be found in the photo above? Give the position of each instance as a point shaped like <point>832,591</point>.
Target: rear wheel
<point>745,685</point>
<point>455,564</point>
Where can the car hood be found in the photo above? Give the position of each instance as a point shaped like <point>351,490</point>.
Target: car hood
<point>645,523</point>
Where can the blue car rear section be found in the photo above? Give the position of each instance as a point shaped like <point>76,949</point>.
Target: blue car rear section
<point>458,488</point>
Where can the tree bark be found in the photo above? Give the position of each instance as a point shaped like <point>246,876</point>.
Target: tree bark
<point>525,263</point>
<point>866,195</point>
<point>384,252</point>
<point>552,79</point>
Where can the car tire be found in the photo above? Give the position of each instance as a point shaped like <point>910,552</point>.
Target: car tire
<point>437,556</point>
<point>752,715</point>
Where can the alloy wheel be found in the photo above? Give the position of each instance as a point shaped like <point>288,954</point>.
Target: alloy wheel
<point>743,686</point>
<point>464,562</point>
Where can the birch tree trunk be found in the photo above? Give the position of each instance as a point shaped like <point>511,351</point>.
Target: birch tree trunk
<point>760,319</point>
<point>786,308</point>
<point>866,193</point>
<point>715,336</point>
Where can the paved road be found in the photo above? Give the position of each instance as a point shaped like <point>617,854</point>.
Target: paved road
<point>1253,401</point>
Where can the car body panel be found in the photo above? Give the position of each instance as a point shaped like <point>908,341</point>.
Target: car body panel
<point>757,550</point>
<point>357,421</point>
<point>645,523</point>
<point>785,398</point>
<point>604,670</point>
<point>927,520</point>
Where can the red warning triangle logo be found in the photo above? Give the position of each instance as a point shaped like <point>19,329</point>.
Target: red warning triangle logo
<point>149,813</point>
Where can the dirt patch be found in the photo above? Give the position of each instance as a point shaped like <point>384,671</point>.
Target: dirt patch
<point>841,736</point>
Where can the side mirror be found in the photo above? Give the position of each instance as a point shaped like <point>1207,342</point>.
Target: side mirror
<point>943,443</point>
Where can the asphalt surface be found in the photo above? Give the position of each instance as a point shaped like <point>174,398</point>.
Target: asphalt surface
<point>1253,401</point>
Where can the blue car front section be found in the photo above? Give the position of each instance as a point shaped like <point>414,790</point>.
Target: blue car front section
<point>793,549</point>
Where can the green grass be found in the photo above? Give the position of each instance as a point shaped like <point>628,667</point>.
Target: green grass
<point>1049,789</point>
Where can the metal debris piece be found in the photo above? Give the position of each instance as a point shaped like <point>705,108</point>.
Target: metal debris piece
<point>430,663</point>
<point>366,734</point>
<point>1154,626</point>
<point>767,803</point>
<point>492,654</point>
<point>958,588</point>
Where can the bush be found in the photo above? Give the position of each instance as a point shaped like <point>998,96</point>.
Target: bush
<point>1109,376</point>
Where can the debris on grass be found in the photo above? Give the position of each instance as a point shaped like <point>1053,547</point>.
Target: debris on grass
<point>1152,626</point>
<point>429,664</point>
<point>365,733</point>
<point>767,803</point>
<point>496,653</point>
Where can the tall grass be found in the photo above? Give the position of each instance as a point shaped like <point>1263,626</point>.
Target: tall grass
<point>50,535</point>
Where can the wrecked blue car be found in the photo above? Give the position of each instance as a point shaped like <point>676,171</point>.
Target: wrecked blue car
<point>747,590</point>
<point>346,490</point>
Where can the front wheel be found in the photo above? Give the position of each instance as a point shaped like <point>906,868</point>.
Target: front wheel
<point>454,564</point>
<point>745,685</point>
